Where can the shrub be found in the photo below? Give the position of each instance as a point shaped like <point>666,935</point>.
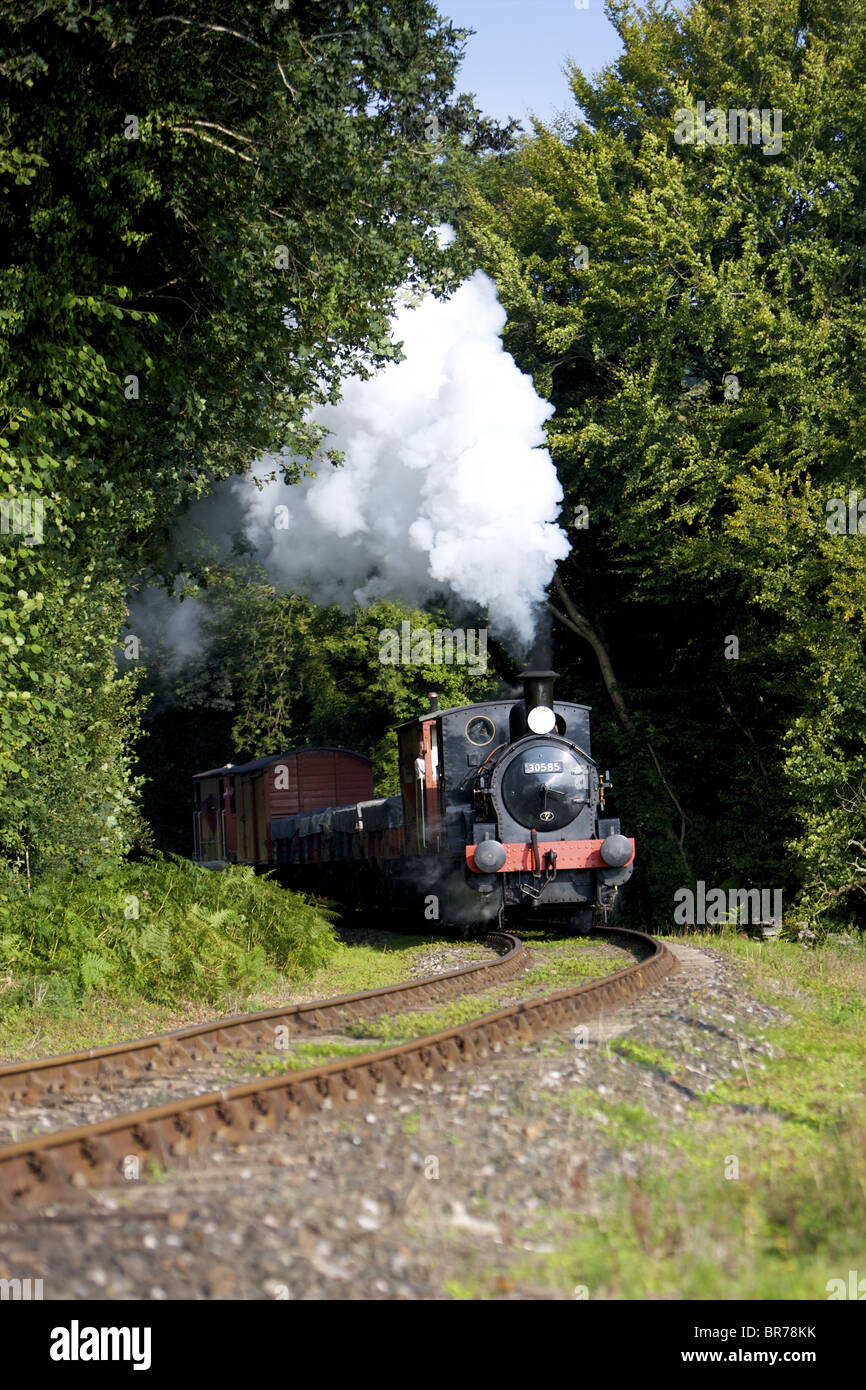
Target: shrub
<point>163,929</point>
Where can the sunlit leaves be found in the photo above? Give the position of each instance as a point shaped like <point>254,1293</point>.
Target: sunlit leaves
<point>708,511</point>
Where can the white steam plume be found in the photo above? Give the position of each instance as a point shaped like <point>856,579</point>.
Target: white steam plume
<point>447,491</point>
<point>446,488</point>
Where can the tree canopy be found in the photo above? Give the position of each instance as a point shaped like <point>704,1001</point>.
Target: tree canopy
<point>204,223</point>
<point>204,220</point>
<point>696,313</point>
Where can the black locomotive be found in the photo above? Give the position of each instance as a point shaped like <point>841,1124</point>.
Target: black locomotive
<point>500,815</point>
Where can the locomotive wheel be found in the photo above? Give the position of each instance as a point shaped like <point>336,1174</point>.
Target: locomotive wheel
<point>581,922</point>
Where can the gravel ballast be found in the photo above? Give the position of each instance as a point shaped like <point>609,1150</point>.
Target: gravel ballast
<point>412,1195</point>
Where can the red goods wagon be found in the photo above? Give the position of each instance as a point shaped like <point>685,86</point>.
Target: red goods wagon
<point>234,805</point>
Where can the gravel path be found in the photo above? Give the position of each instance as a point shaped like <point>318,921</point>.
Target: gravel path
<point>427,1189</point>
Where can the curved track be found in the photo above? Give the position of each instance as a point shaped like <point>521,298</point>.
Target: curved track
<point>59,1166</point>
<point>53,1077</point>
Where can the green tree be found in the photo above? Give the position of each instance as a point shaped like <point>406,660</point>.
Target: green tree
<point>71,798</point>
<point>203,224</point>
<point>695,312</point>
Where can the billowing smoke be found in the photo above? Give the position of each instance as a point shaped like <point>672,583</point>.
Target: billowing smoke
<point>447,492</point>
<point>167,629</point>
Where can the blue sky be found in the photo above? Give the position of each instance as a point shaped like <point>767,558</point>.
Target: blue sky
<point>514,62</point>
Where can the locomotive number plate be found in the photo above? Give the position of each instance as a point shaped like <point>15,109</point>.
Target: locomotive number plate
<point>542,767</point>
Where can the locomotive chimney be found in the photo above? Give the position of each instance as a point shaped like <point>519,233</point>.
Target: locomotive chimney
<point>434,701</point>
<point>537,713</point>
<point>537,689</point>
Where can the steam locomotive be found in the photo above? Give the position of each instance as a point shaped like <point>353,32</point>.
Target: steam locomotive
<point>499,817</point>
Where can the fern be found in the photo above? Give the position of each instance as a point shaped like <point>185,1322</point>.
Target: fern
<point>163,929</point>
<point>95,970</point>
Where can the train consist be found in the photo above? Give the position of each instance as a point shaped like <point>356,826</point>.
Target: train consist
<point>499,816</point>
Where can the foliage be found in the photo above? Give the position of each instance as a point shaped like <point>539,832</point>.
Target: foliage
<point>202,227</point>
<point>74,798</point>
<point>162,929</point>
<point>708,497</point>
<point>296,137</point>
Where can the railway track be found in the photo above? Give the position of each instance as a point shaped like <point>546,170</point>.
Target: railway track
<point>73,1162</point>
<point>53,1078</point>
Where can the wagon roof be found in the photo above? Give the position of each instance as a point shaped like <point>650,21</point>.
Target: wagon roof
<point>258,763</point>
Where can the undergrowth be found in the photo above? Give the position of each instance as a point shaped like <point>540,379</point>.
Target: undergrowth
<point>163,930</point>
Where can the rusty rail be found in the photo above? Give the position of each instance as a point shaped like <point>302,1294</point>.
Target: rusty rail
<point>53,1077</point>
<point>72,1162</point>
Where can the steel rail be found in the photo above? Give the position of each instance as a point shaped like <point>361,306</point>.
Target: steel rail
<point>50,1077</point>
<point>73,1162</point>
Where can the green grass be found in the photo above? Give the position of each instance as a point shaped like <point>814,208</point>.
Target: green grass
<point>643,1055</point>
<point>64,1023</point>
<point>684,1227</point>
<point>145,942</point>
<point>561,971</point>
<point>229,942</point>
<point>303,1056</point>
<point>558,962</point>
<point>626,1123</point>
<point>458,1291</point>
<point>393,1028</point>
<point>351,969</point>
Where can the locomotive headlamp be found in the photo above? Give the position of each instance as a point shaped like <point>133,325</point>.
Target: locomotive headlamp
<point>490,855</point>
<point>616,851</point>
<point>541,720</point>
